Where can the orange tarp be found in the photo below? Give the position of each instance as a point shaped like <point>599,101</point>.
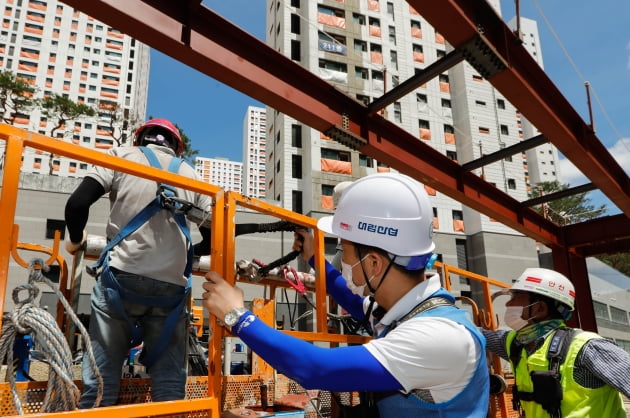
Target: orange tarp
<point>416,32</point>
<point>330,20</point>
<point>373,5</point>
<point>375,31</point>
<point>425,134</point>
<point>418,56</point>
<point>336,166</point>
<point>327,202</point>
<point>376,57</point>
<point>445,87</point>
<point>458,226</point>
<point>37,6</point>
<point>110,82</point>
<point>24,121</point>
<point>381,169</point>
<point>436,223</point>
<point>115,35</point>
<point>33,30</point>
<point>37,165</point>
<point>27,67</point>
<point>430,190</point>
<point>34,18</point>
<point>449,138</point>
<point>322,136</point>
<point>106,94</point>
<point>102,146</point>
<point>29,55</point>
<point>114,46</point>
<point>439,39</point>
<point>413,11</point>
<point>111,70</point>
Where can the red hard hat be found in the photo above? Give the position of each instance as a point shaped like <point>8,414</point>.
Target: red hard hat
<point>160,123</point>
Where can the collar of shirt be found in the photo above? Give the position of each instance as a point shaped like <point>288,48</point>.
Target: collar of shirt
<point>409,301</point>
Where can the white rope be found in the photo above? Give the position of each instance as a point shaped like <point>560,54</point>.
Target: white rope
<point>61,393</point>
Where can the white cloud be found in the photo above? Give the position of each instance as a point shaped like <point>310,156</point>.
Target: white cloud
<point>574,177</point>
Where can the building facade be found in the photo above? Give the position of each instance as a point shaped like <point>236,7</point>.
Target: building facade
<point>221,172</point>
<point>60,50</point>
<point>365,48</point>
<point>254,152</point>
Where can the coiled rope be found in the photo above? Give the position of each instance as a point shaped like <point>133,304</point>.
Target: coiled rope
<point>61,394</point>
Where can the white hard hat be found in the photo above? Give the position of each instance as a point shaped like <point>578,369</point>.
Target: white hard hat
<point>390,211</point>
<point>338,190</point>
<point>548,283</point>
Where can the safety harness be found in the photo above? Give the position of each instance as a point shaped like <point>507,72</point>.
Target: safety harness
<point>547,388</point>
<point>166,198</point>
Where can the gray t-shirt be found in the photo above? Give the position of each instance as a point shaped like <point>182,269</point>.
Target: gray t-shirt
<point>158,248</point>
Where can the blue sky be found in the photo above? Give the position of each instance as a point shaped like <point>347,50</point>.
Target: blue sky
<point>594,46</point>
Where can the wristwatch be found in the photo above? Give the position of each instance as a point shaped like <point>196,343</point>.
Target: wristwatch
<point>231,318</point>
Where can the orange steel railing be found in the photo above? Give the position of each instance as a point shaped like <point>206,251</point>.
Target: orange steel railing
<point>222,260</point>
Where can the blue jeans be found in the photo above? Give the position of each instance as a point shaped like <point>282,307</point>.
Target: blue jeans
<point>110,336</point>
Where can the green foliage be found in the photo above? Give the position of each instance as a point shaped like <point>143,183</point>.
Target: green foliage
<point>61,109</point>
<point>16,96</point>
<point>567,210</point>
<point>620,262</point>
<point>189,152</point>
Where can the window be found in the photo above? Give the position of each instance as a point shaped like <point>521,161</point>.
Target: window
<point>501,103</point>
<point>511,183</point>
<point>480,103</point>
<point>618,315</point>
<point>296,136</point>
<point>392,35</point>
<point>423,124</point>
<point>296,198</point>
<point>333,65</point>
<point>295,50</point>
<point>358,19</point>
<point>296,166</point>
<point>397,112</point>
<point>601,310</point>
<point>53,225</point>
<point>390,10</point>
<point>365,161</point>
<point>446,103</point>
<point>421,98</point>
<point>458,215</point>
<point>361,72</point>
<point>295,3</point>
<point>332,154</point>
<point>295,24</point>
<point>504,130</point>
<point>360,45</point>
<point>452,155</point>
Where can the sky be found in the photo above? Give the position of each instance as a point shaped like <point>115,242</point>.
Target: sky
<point>581,40</point>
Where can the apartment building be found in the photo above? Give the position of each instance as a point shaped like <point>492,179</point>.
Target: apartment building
<point>221,172</point>
<point>254,152</point>
<point>366,48</point>
<point>58,49</point>
<point>542,161</point>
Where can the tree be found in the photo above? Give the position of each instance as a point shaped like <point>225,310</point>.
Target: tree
<point>189,153</point>
<point>566,210</point>
<point>16,98</point>
<point>120,120</point>
<point>61,110</point>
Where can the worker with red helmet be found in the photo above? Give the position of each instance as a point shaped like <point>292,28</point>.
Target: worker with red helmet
<point>559,371</point>
<point>427,358</point>
<point>144,273</point>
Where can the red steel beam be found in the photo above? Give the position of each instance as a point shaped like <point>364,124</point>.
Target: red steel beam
<point>526,86</point>
<point>200,38</point>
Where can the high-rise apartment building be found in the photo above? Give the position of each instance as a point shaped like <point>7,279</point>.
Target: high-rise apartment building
<point>58,49</point>
<point>366,48</point>
<point>221,172</point>
<point>254,154</point>
<point>542,161</point>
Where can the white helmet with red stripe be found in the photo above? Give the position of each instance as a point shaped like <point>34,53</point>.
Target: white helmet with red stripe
<point>547,283</point>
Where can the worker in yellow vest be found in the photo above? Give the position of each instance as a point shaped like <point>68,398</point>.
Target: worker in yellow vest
<point>559,371</point>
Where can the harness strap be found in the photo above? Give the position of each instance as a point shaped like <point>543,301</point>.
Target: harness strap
<point>426,305</point>
<point>117,294</point>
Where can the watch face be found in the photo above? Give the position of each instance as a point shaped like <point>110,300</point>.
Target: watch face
<point>232,317</point>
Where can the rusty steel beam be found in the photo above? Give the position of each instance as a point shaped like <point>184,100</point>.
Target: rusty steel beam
<point>205,41</point>
<point>526,86</point>
<point>592,237</point>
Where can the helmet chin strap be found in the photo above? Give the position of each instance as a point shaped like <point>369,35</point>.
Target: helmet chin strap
<point>379,311</point>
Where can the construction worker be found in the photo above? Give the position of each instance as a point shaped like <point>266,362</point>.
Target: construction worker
<point>426,360</point>
<point>143,287</point>
<point>559,371</point>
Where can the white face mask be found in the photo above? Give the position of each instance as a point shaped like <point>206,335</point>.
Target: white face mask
<point>346,272</point>
<point>513,317</point>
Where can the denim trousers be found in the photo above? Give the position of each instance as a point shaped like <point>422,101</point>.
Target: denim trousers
<point>110,336</point>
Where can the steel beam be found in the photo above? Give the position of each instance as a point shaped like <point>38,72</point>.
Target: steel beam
<point>526,86</point>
